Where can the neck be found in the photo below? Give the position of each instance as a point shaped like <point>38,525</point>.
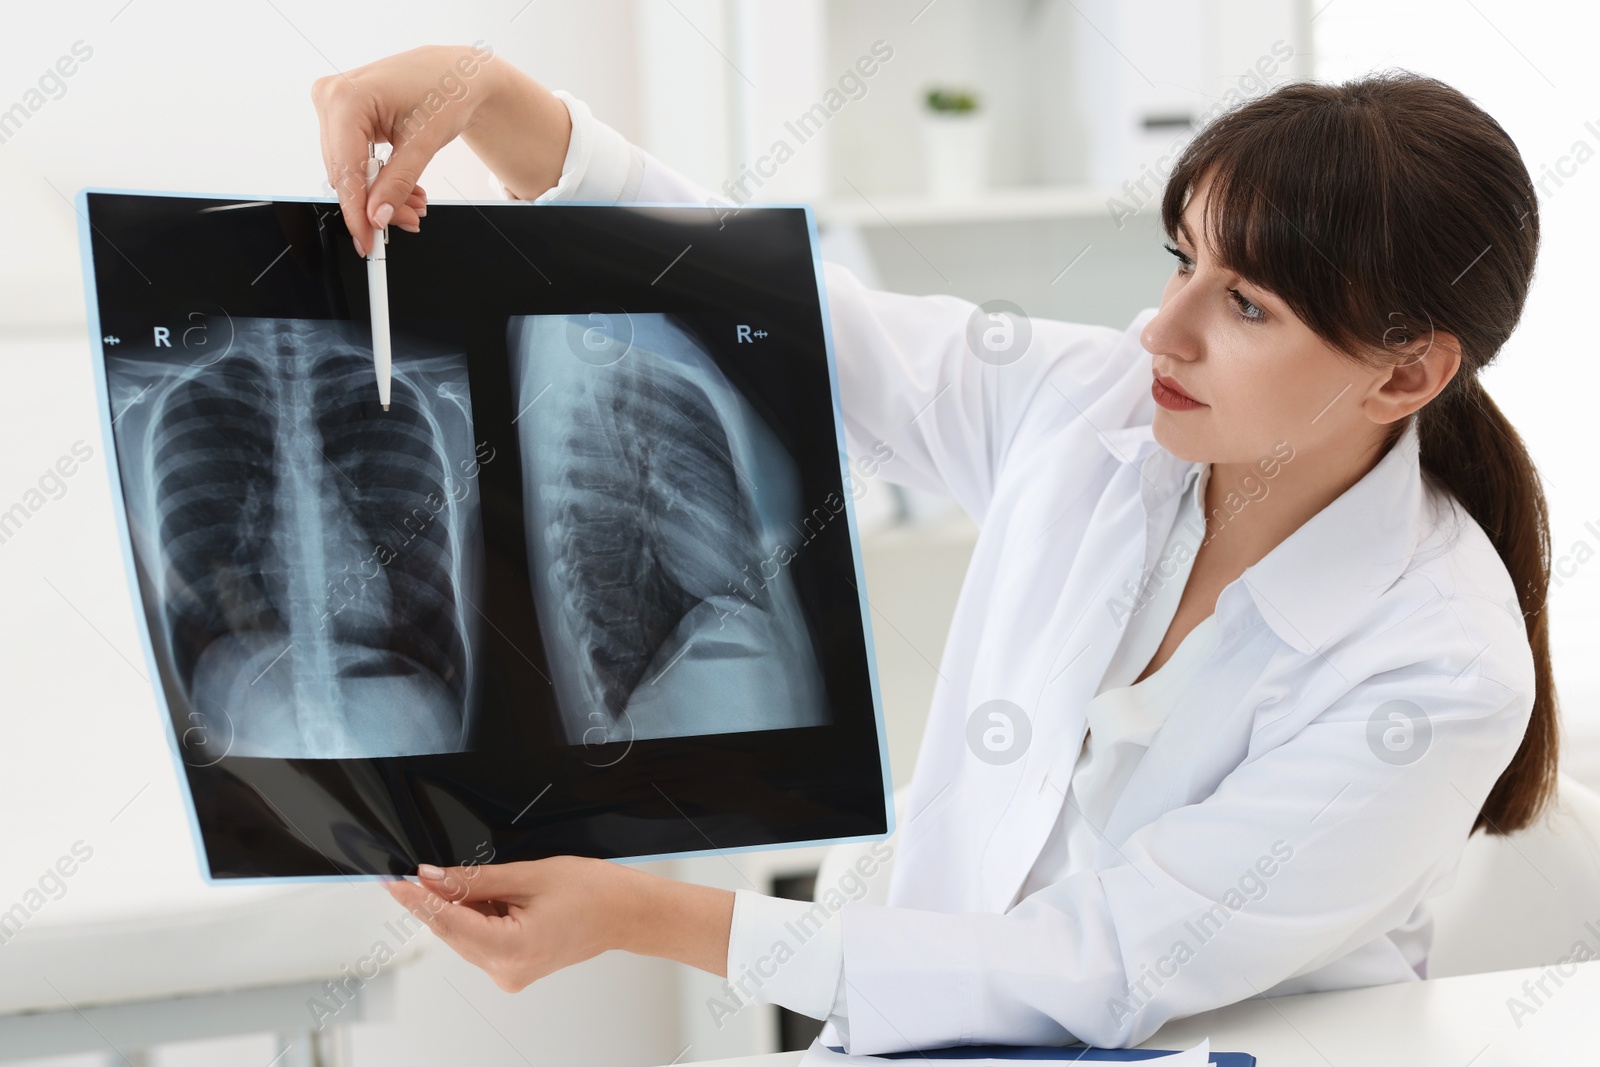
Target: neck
<point>1248,515</point>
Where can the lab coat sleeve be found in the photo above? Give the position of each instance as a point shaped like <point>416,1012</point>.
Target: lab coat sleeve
<point>920,408</point>
<point>1305,852</point>
<point>600,164</point>
<point>785,952</point>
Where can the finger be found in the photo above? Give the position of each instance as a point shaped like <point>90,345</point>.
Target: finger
<point>491,908</point>
<point>467,930</point>
<point>507,882</point>
<point>407,218</point>
<point>346,160</point>
<point>403,170</point>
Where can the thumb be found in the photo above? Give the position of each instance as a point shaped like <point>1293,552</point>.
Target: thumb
<point>401,174</point>
<point>511,882</point>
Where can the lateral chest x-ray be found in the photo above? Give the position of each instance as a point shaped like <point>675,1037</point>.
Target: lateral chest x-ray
<point>590,585</point>
<point>650,484</point>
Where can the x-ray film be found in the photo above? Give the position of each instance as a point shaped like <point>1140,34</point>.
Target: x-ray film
<point>590,585</point>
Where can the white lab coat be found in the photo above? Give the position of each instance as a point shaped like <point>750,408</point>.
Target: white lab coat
<point>1284,829</point>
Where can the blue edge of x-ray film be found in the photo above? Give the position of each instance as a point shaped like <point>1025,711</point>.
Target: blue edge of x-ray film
<point>168,727</point>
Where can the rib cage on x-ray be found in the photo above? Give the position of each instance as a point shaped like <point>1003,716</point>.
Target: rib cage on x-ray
<point>311,562</point>
<point>654,493</point>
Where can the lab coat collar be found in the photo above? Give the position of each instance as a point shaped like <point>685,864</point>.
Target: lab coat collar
<point>1312,587</point>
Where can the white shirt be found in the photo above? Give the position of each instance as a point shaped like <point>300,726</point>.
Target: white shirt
<point>1123,719</point>
<point>1124,715</point>
<point>1314,782</point>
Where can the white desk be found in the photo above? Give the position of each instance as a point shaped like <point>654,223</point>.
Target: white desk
<point>85,975</point>
<point>1447,1022</point>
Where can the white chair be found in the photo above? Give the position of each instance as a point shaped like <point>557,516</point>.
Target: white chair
<point>1524,900</point>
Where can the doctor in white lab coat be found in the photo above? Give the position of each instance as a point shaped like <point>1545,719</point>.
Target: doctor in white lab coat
<point>1367,661</point>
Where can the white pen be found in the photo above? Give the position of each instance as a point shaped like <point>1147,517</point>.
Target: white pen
<point>378,289</point>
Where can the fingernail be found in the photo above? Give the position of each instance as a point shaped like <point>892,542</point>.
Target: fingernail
<point>430,872</point>
<point>357,242</point>
<point>421,211</point>
<point>384,213</point>
<point>406,226</point>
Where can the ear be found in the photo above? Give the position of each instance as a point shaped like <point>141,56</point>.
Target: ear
<point>1418,371</point>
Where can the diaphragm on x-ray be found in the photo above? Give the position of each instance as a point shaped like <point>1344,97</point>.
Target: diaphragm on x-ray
<point>314,561</point>
<point>653,492</point>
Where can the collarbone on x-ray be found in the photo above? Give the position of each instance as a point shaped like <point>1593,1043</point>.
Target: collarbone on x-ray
<point>651,489</point>
<point>315,567</point>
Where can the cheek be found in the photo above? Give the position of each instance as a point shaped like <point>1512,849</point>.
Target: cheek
<point>1282,376</point>
<point>1312,378</point>
<point>1262,381</point>
<point>1295,386</point>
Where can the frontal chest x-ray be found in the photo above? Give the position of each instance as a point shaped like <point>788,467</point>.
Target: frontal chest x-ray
<point>590,585</point>
<point>314,561</point>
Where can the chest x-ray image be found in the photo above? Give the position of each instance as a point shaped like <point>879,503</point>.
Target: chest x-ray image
<point>591,586</point>
<point>310,560</point>
<point>654,495</point>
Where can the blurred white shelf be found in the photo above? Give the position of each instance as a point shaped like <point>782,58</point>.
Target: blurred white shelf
<point>921,209</point>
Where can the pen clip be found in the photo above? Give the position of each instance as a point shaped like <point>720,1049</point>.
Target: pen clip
<point>374,166</point>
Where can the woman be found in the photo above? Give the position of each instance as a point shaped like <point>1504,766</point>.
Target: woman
<point>1267,753</point>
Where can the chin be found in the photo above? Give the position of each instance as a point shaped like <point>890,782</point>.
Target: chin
<point>1179,444</point>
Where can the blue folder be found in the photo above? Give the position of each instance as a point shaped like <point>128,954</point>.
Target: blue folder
<point>1085,1053</point>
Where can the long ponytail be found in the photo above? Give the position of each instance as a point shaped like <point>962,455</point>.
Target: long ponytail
<point>1471,449</point>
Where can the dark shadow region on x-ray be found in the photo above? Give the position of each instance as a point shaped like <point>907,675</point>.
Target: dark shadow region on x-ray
<point>652,490</point>
<point>308,561</point>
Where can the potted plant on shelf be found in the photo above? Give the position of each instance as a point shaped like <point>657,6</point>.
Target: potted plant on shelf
<point>955,141</point>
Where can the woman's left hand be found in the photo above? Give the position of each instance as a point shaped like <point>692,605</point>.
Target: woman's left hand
<point>522,921</point>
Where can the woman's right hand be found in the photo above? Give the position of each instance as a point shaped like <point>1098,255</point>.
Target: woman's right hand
<point>419,101</point>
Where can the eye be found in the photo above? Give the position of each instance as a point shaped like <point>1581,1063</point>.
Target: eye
<point>1246,310</point>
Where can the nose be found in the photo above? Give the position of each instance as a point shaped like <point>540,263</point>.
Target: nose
<point>1173,331</point>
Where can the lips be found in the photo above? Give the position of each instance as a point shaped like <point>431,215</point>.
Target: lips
<point>1172,383</point>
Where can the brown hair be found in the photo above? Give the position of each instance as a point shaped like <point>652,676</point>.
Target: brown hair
<point>1380,210</point>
